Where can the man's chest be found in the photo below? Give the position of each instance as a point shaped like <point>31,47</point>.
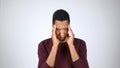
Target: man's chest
<point>63,58</point>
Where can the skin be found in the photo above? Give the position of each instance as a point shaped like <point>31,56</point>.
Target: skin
<point>61,32</point>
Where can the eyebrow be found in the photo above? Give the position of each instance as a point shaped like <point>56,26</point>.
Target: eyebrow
<point>61,28</point>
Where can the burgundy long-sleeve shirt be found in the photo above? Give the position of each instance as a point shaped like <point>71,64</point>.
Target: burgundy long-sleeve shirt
<point>63,58</point>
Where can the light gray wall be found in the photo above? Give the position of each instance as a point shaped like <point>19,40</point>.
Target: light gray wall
<point>24,23</point>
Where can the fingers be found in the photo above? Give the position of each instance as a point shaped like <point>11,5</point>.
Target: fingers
<point>54,38</point>
<point>70,31</point>
<point>53,30</point>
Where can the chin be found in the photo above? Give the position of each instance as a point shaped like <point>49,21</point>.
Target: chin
<point>62,40</point>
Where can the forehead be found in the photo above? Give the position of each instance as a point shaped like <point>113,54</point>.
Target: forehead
<point>61,24</point>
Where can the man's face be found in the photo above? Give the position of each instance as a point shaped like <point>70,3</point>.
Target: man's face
<point>61,29</point>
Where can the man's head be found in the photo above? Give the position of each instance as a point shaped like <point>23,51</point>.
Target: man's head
<point>61,19</point>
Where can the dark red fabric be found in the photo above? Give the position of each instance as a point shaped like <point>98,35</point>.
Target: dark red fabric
<point>63,57</point>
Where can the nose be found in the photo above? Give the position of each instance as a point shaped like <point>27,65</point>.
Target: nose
<point>62,33</point>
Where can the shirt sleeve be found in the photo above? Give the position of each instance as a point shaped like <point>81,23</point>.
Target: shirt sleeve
<point>42,55</point>
<point>82,61</point>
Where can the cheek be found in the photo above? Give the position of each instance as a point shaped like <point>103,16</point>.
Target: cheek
<point>57,32</point>
<point>66,32</point>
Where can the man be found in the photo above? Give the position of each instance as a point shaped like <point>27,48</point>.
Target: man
<point>62,50</point>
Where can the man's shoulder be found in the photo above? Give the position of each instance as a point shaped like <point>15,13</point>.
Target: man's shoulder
<point>79,40</point>
<point>48,40</point>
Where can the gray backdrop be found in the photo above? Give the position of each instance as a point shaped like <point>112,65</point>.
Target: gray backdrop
<point>24,23</point>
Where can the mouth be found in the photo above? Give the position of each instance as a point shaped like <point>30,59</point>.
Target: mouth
<point>61,38</point>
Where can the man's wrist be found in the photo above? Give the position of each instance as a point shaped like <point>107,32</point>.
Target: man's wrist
<point>71,44</point>
<point>55,46</point>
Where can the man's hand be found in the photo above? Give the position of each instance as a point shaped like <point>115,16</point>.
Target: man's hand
<point>70,39</point>
<point>54,39</point>
<point>51,58</point>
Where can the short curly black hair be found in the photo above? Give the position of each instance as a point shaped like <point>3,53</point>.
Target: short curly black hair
<point>61,15</point>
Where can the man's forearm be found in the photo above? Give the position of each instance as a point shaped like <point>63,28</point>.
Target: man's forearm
<point>51,58</point>
<point>73,53</point>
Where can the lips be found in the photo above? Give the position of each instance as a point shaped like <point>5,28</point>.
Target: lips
<point>61,38</point>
